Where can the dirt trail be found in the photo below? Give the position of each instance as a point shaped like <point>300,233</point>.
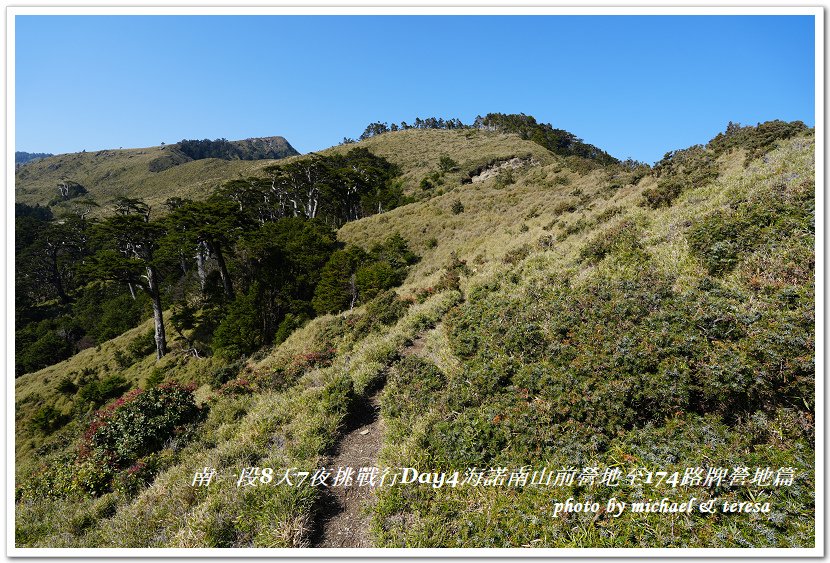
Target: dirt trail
<point>343,512</point>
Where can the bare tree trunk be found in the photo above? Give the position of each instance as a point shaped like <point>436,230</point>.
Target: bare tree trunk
<point>201,257</point>
<point>57,281</point>
<point>223,271</point>
<point>132,290</point>
<point>353,290</point>
<point>158,320</point>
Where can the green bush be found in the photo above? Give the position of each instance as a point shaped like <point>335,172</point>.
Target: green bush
<point>567,206</point>
<point>374,278</point>
<point>447,164</point>
<point>139,423</point>
<point>451,278</point>
<point>47,419</point>
<point>473,439</point>
<point>622,238</point>
<point>240,332</point>
<point>339,396</point>
<point>457,207</point>
<point>239,386</point>
<point>723,237</point>
<point>680,171</point>
<point>757,140</point>
<point>141,473</point>
<point>142,345</point>
<point>664,193</point>
<point>607,214</point>
<point>383,310</point>
<point>66,386</point>
<point>505,178</point>
<point>573,228</point>
<point>155,378</point>
<point>99,391</point>
<point>225,373</point>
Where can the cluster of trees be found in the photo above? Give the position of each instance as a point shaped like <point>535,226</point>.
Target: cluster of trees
<point>56,311</point>
<point>378,128</point>
<point>251,149</point>
<point>334,188</point>
<point>188,150</point>
<point>239,270</point>
<point>681,170</point>
<point>756,140</point>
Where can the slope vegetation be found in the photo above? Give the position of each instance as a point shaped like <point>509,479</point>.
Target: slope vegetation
<point>588,319</point>
<point>152,174</point>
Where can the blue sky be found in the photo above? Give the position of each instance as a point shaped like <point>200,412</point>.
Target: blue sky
<point>635,86</point>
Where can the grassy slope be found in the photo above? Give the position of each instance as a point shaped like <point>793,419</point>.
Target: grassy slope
<point>418,152</point>
<point>110,174</point>
<point>468,414</point>
<point>521,236</point>
<point>544,200</point>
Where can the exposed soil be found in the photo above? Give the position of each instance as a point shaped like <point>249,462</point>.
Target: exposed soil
<point>494,169</point>
<point>343,513</point>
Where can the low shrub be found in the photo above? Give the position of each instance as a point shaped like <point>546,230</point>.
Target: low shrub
<point>566,206</point>
<point>723,237</point>
<point>47,419</point>
<point>99,391</point>
<point>381,311</point>
<point>624,237</point>
<point>139,423</point>
<point>410,388</point>
<point>516,255</point>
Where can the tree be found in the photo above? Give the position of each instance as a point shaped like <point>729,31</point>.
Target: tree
<point>47,266</point>
<point>240,332</point>
<point>210,226</point>
<point>447,164</point>
<point>337,290</point>
<point>284,259</point>
<point>128,243</point>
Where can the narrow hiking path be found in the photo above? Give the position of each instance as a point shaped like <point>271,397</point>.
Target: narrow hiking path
<point>343,515</point>
<point>344,520</point>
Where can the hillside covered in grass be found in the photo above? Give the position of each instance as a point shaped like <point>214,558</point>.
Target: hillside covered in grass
<point>494,305</point>
<point>153,174</point>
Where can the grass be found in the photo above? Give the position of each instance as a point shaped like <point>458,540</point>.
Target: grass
<point>419,152</point>
<point>110,174</point>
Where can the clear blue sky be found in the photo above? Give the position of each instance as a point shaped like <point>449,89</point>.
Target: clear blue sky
<point>634,86</point>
